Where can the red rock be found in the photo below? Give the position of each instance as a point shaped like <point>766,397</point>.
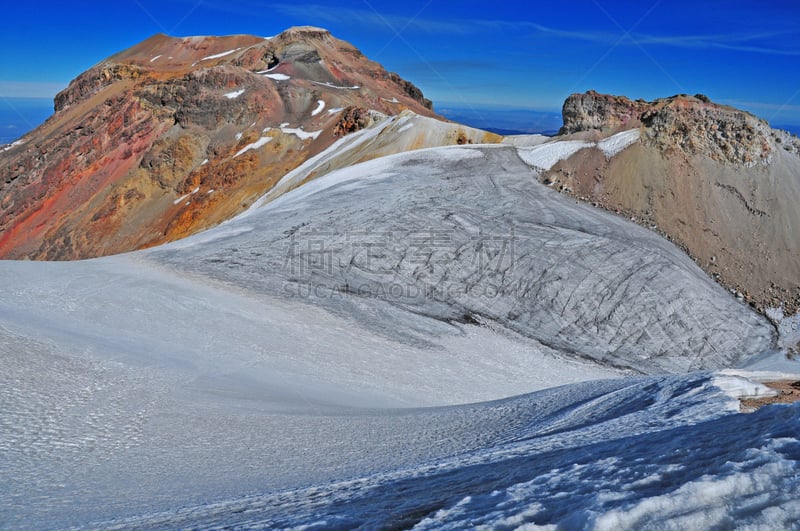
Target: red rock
<point>130,135</point>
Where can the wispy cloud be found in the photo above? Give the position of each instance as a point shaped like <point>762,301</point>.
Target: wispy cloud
<point>738,42</point>
<point>755,42</point>
<point>369,18</point>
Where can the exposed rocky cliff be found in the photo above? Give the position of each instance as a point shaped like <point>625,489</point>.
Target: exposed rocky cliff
<point>716,180</point>
<point>178,134</point>
<point>690,124</point>
<point>590,110</point>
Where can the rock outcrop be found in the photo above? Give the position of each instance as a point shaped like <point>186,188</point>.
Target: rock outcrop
<point>690,124</point>
<point>352,119</point>
<point>176,135</point>
<point>716,180</point>
<point>584,112</point>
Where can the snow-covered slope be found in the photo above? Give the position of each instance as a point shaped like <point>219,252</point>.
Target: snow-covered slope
<point>648,453</point>
<point>349,354</point>
<point>386,136</point>
<point>467,234</point>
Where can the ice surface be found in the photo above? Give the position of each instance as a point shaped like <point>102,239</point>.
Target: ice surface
<point>339,148</point>
<point>525,140</point>
<point>150,376</point>
<point>545,156</point>
<point>788,328</point>
<point>739,385</point>
<point>618,454</point>
<point>617,143</point>
<point>540,152</point>
<point>364,351</point>
<point>464,232</point>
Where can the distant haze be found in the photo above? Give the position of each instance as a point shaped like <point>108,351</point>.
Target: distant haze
<point>523,55</point>
<point>504,121</point>
<point>20,115</point>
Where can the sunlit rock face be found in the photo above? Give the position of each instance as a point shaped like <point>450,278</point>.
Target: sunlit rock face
<point>175,135</point>
<point>717,181</point>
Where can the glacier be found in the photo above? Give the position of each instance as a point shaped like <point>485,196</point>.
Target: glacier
<point>426,340</point>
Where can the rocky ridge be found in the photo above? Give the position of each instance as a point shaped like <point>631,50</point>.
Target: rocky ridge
<point>717,181</point>
<point>690,124</point>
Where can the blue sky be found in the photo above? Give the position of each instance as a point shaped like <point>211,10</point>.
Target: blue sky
<point>461,53</point>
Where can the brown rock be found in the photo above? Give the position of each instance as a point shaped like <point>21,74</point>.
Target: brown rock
<point>166,119</point>
<point>351,120</point>
<point>715,180</point>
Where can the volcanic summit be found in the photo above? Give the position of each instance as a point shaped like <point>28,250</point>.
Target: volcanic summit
<point>175,135</point>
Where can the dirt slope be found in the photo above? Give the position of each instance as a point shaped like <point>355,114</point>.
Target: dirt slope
<point>717,181</point>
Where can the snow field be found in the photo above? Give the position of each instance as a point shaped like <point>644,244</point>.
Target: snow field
<point>265,374</point>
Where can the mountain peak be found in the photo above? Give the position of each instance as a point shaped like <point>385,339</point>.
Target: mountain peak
<point>177,134</point>
<point>305,31</point>
<point>693,124</point>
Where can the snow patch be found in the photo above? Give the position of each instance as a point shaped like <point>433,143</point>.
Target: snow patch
<point>738,386</point>
<point>219,55</point>
<point>331,85</point>
<point>239,136</point>
<point>205,161</point>
<point>320,107</point>
<point>335,110</point>
<point>278,77</point>
<point>546,156</point>
<point>155,58</point>
<point>14,144</point>
<point>617,143</point>
<point>235,94</point>
<point>299,133</point>
<point>263,141</point>
<point>180,199</point>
